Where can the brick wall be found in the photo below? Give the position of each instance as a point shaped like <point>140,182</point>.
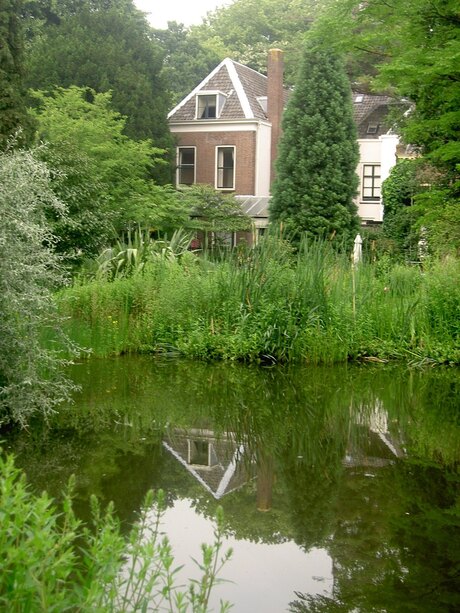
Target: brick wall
<point>206,143</point>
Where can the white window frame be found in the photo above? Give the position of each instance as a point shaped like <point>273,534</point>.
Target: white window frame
<point>372,128</point>
<point>217,168</point>
<point>179,165</point>
<point>220,101</point>
<point>210,453</point>
<point>373,187</point>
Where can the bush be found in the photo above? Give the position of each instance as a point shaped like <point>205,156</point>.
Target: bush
<point>31,378</point>
<point>52,562</point>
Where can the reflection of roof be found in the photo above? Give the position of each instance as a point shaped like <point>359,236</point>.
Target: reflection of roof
<point>254,206</point>
<point>217,464</point>
<point>375,447</point>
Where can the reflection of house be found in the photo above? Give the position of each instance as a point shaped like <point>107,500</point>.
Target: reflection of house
<point>228,129</point>
<point>217,463</point>
<point>374,445</point>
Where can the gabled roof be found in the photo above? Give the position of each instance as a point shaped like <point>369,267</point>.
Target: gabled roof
<point>242,87</point>
<point>371,109</point>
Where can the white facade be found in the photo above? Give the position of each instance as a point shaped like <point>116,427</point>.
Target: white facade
<point>379,156</point>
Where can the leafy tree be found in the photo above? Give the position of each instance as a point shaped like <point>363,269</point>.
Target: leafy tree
<point>214,212</point>
<point>101,173</point>
<point>316,170</point>
<point>106,45</point>
<point>31,380</point>
<point>187,60</point>
<point>418,206</point>
<point>415,53</point>
<point>401,213</point>
<point>246,29</point>
<point>14,119</point>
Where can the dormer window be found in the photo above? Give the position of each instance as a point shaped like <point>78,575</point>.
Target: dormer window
<point>372,128</point>
<point>209,105</point>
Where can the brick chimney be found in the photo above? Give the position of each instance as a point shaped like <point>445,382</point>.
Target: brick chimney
<point>275,101</point>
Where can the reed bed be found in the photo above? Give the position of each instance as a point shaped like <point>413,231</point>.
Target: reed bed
<point>270,304</point>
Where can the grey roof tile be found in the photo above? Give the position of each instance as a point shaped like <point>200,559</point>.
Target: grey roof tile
<point>368,109</point>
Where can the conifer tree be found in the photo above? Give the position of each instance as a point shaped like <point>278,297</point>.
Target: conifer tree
<point>318,154</point>
<point>14,120</point>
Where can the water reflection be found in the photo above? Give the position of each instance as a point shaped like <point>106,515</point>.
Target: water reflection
<point>215,462</point>
<point>349,470</point>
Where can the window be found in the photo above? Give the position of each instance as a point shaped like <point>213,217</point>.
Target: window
<point>185,166</point>
<point>201,453</point>
<point>372,128</point>
<point>207,107</point>
<point>209,104</point>
<point>225,176</point>
<point>371,182</point>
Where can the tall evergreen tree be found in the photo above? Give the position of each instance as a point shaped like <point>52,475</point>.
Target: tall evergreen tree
<point>13,113</point>
<point>316,177</point>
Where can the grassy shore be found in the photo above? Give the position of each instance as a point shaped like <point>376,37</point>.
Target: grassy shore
<point>271,304</point>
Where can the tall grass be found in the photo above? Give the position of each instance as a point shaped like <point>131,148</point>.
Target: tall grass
<point>271,304</point>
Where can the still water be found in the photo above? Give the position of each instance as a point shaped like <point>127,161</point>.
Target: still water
<point>339,485</point>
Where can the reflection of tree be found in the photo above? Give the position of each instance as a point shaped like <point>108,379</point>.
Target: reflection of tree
<point>265,480</point>
<point>396,543</point>
<point>305,419</point>
<point>311,492</point>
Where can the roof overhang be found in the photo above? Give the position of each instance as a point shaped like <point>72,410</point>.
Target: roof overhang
<point>217,125</point>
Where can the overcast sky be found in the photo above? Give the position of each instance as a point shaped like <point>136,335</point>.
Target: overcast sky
<point>187,12</point>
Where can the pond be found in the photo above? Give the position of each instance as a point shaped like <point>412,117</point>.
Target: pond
<point>339,485</point>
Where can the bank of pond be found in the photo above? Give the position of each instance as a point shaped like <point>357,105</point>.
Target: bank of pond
<point>270,305</point>
<point>339,484</point>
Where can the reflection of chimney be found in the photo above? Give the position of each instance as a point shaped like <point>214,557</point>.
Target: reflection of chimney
<point>275,100</point>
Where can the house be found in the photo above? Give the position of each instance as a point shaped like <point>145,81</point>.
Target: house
<point>227,132</point>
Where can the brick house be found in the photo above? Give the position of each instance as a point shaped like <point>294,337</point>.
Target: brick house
<point>227,130</point>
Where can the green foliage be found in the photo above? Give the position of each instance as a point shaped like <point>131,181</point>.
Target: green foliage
<point>31,377</point>
<point>246,30</point>
<point>419,208</point>
<point>316,177</point>
<point>267,304</point>
<point>413,53</point>
<point>99,172</point>
<point>214,212</point>
<point>15,122</point>
<point>137,250</point>
<point>51,561</point>
<point>187,59</point>
<point>443,227</point>
<point>400,214</point>
<point>106,46</point>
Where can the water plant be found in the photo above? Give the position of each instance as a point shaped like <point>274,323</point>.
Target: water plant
<point>52,562</point>
<point>272,304</point>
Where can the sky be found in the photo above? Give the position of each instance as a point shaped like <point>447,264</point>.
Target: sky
<point>187,12</point>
